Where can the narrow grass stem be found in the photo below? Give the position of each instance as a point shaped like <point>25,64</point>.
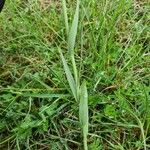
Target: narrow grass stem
<point>142,130</point>
<point>85,142</point>
<point>143,134</point>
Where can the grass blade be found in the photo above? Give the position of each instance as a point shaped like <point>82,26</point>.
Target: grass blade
<point>83,113</point>
<point>43,95</point>
<point>69,76</point>
<point>73,30</point>
<point>65,16</point>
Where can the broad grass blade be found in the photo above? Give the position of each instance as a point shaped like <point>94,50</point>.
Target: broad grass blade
<point>69,76</point>
<point>83,112</point>
<point>65,16</point>
<point>73,30</point>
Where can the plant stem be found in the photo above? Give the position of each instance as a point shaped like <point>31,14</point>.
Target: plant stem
<point>85,142</point>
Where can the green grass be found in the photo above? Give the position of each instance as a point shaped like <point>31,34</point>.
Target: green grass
<point>75,77</point>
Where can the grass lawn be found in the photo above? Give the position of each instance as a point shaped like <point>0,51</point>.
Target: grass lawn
<point>75,75</point>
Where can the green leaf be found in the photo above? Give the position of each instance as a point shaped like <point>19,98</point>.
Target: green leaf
<point>44,95</point>
<point>83,112</point>
<point>96,145</point>
<point>49,110</point>
<point>110,111</point>
<point>69,76</point>
<point>65,15</point>
<point>73,30</point>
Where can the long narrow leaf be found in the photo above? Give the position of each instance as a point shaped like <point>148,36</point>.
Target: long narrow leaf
<point>69,76</point>
<point>83,112</point>
<point>65,16</point>
<point>73,30</point>
<point>44,95</point>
